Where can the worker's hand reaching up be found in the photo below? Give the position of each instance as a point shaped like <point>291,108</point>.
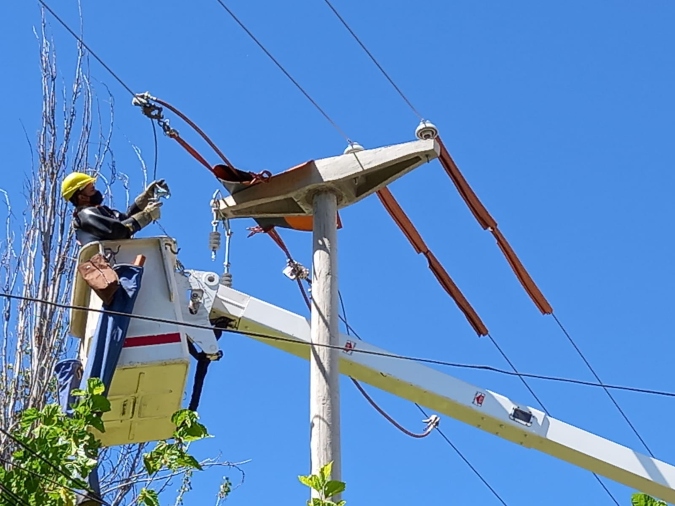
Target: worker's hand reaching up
<point>149,214</point>
<point>149,193</point>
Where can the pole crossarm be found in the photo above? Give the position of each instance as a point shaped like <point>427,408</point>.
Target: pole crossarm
<point>351,177</point>
<point>478,407</point>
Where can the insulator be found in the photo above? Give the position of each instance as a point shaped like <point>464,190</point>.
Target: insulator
<point>426,130</point>
<point>354,147</point>
<point>226,279</point>
<point>214,243</point>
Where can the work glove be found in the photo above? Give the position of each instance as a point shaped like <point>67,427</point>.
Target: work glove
<point>149,193</point>
<point>149,214</point>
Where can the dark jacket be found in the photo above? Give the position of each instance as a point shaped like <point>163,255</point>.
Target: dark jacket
<point>101,223</point>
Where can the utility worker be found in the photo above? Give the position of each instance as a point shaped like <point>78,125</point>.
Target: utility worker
<point>96,222</point>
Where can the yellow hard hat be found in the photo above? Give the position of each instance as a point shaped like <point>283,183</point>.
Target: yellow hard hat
<point>74,182</point>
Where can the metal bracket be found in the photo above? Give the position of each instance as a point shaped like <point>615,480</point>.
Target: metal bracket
<point>196,308</point>
<point>295,270</point>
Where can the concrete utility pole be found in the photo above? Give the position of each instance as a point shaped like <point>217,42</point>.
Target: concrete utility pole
<point>318,188</point>
<point>324,368</point>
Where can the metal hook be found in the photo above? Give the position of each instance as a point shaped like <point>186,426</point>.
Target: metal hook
<point>110,254</point>
<point>170,246</point>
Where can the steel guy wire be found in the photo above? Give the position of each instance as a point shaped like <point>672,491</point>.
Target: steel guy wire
<point>271,337</point>
<point>374,60</point>
<point>281,67</point>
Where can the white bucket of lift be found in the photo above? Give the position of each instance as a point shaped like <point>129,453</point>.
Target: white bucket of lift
<point>150,378</point>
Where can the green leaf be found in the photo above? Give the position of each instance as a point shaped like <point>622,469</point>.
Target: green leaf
<point>97,423</point>
<point>316,502</point>
<point>95,386</point>
<point>341,503</point>
<point>99,404</point>
<point>152,462</point>
<point>182,416</point>
<point>326,471</point>
<point>311,481</point>
<point>148,497</point>
<point>195,431</point>
<point>29,416</point>
<point>645,500</point>
<point>189,461</point>
<point>332,488</point>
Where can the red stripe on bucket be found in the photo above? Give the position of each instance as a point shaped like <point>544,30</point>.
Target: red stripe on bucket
<point>132,342</point>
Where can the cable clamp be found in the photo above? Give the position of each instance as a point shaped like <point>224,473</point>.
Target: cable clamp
<point>154,112</point>
<point>432,423</point>
<point>295,270</point>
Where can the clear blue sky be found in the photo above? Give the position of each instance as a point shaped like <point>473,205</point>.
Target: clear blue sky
<point>561,117</point>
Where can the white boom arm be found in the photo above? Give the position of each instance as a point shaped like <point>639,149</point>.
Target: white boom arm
<point>442,393</point>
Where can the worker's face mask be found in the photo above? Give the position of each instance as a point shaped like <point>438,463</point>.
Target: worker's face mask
<point>96,198</point>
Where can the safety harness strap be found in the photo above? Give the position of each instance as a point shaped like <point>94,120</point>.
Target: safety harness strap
<point>203,362</point>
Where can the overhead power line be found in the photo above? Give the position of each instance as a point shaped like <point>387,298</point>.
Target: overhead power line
<point>270,337</point>
<point>569,337</point>
<point>466,461</point>
<point>81,41</point>
<point>349,330</point>
<point>604,387</point>
<point>281,67</point>
<point>409,103</point>
<point>372,57</point>
<point>541,403</point>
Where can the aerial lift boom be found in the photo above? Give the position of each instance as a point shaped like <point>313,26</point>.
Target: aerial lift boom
<point>478,407</point>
